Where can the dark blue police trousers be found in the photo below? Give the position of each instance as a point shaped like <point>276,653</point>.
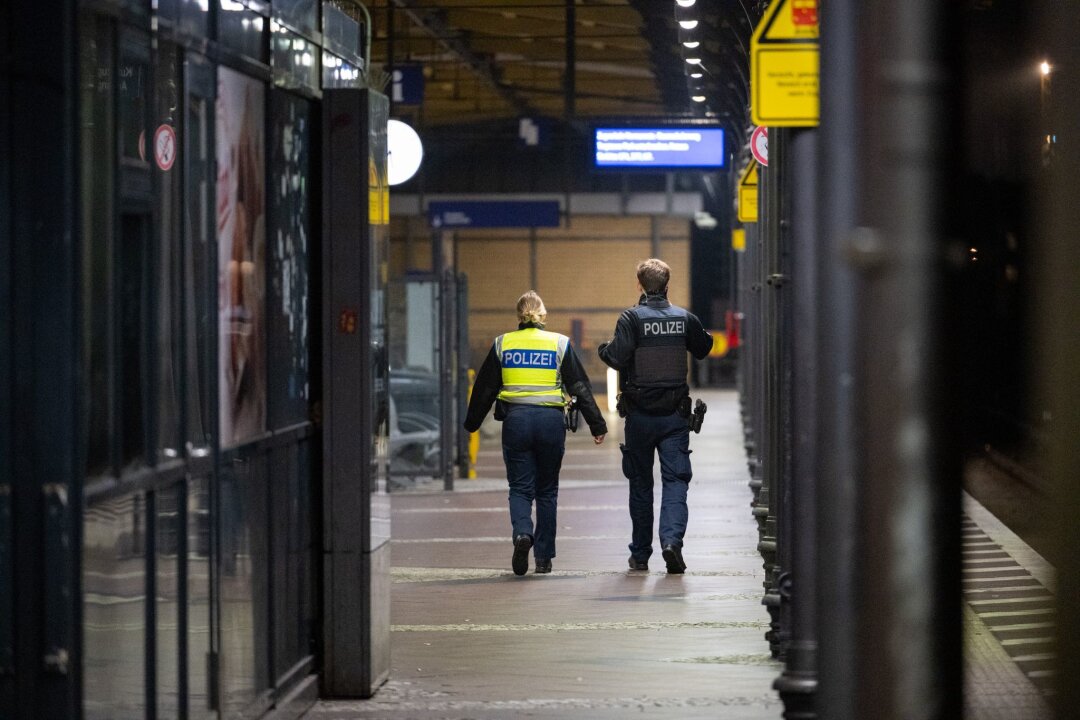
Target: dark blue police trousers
<point>534,440</point>
<point>668,436</point>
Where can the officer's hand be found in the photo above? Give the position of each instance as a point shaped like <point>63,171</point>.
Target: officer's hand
<point>598,439</point>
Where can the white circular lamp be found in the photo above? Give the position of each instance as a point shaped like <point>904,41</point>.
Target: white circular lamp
<point>404,152</point>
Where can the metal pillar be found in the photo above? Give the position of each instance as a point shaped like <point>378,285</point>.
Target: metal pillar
<point>461,311</point>
<point>41,465</point>
<point>748,291</point>
<point>756,364</point>
<point>772,414</point>
<point>909,635</point>
<point>839,188</point>
<point>442,253</point>
<point>356,509</point>
<point>1056,318</point>
<point>798,683</point>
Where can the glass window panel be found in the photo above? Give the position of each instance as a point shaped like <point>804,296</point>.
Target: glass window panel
<point>241,29</point>
<point>289,297</point>
<point>188,16</point>
<point>244,587</point>
<point>168,10</point>
<point>295,59</point>
<point>168,504</point>
<point>241,227</point>
<point>198,595</point>
<point>291,522</point>
<point>379,351</point>
<point>167,131</point>
<point>96,174</point>
<point>340,73</point>
<point>298,14</point>
<point>199,287</point>
<point>193,16</point>
<point>132,84</point>
<point>134,239</point>
<point>341,32</point>
<point>114,619</point>
<point>283,485</point>
<point>302,553</point>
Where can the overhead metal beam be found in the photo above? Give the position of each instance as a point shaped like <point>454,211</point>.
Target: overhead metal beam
<point>435,25</point>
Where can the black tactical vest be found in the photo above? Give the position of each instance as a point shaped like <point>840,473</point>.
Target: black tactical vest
<point>660,356</point>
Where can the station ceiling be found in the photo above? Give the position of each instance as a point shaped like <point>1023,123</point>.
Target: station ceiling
<point>495,59</point>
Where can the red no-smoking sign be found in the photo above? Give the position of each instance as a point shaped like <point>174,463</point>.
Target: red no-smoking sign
<point>165,147</point>
<point>759,145</point>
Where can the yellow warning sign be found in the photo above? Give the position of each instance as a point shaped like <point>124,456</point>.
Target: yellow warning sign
<point>748,194</point>
<point>738,240</point>
<point>378,196</point>
<point>784,62</point>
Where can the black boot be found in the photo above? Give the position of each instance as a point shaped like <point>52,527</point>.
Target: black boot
<point>520,561</point>
<point>673,558</point>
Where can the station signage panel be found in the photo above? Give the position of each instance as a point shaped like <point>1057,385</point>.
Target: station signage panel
<point>658,148</point>
<point>784,65</point>
<point>748,194</point>
<point>450,214</point>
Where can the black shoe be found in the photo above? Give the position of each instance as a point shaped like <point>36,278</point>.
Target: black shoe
<point>520,561</point>
<point>642,565</point>
<point>543,567</point>
<point>673,558</point>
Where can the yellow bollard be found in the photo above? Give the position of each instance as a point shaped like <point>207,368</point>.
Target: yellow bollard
<point>474,438</point>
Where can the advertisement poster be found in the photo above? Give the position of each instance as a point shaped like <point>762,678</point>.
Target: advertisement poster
<point>241,232</point>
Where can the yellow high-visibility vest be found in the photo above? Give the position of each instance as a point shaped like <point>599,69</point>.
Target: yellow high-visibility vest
<point>530,360</point>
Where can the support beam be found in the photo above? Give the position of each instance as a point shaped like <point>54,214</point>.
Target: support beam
<point>449,38</point>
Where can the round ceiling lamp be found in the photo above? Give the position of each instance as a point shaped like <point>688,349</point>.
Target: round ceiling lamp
<point>404,152</point>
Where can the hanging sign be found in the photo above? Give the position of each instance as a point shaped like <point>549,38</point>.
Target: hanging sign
<point>165,147</point>
<point>784,62</point>
<point>748,195</point>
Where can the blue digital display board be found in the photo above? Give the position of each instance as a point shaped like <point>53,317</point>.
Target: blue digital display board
<point>658,148</point>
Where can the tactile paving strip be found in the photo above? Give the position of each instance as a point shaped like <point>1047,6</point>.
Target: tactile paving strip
<point>1016,607</point>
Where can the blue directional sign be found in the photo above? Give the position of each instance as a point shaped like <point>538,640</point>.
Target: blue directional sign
<point>493,213</point>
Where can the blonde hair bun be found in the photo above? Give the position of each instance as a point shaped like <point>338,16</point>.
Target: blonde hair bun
<point>530,309</point>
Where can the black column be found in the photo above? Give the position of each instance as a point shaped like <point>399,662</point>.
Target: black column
<point>908,555</point>
<point>839,188</point>
<point>40,462</point>
<point>773,378</point>
<point>798,684</point>
<point>355,376</point>
<point>1056,317</point>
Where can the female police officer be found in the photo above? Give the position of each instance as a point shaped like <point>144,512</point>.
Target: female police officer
<point>526,373</point>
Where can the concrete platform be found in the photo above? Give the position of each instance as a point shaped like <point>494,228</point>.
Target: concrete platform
<point>592,640</point>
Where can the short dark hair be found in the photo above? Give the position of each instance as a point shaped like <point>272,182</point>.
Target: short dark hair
<point>653,275</point>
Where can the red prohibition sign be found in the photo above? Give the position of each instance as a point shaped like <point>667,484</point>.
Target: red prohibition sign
<point>165,147</point>
<point>759,145</point>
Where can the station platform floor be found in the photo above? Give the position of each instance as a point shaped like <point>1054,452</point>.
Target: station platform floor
<point>469,639</point>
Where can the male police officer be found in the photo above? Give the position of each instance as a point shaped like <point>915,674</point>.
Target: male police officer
<point>649,351</point>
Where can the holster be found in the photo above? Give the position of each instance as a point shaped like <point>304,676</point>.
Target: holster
<point>500,410</point>
<point>571,414</point>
